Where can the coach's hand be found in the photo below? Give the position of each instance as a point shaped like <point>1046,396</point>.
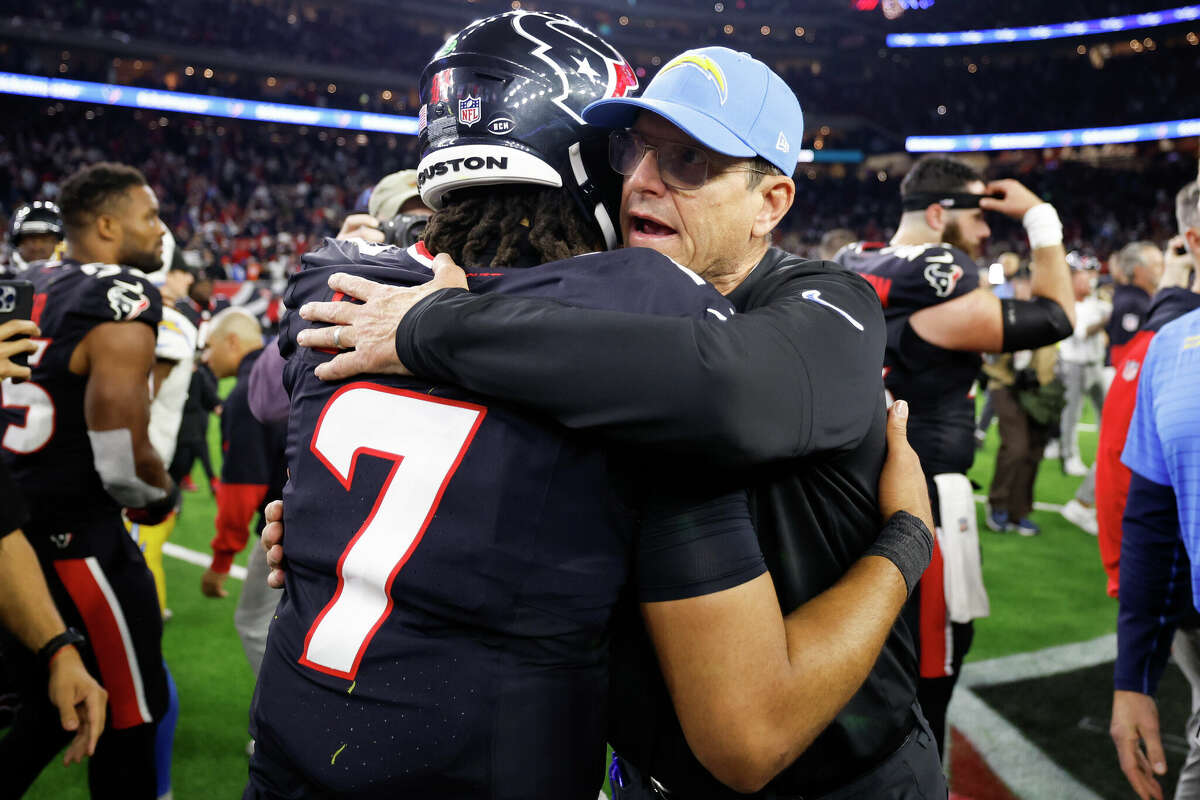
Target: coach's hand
<point>902,484</point>
<point>213,583</point>
<point>368,330</point>
<point>81,702</point>
<point>1135,721</point>
<point>272,542</point>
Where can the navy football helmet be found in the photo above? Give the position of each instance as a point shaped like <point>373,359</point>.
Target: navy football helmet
<point>40,216</point>
<point>502,103</point>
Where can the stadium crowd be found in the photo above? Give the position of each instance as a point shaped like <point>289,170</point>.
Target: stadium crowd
<point>1040,277</point>
<point>870,95</point>
<point>250,198</point>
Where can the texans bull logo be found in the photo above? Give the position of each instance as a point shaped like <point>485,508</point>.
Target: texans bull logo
<point>943,277</point>
<point>573,54</point>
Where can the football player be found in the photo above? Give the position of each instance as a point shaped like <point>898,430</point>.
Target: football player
<point>34,234</point>
<point>939,320</point>
<point>77,441</point>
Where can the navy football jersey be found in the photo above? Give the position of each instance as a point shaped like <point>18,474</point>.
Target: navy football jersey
<point>453,562</point>
<point>937,383</point>
<point>46,439</point>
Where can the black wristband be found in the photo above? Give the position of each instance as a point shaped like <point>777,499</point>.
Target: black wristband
<point>907,543</point>
<point>69,636</point>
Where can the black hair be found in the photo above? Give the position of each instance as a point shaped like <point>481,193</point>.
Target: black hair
<point>85,193</point>
<point>513,224</point>
<point>938,174</point>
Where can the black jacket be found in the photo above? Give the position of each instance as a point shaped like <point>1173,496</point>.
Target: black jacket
<point>791,384</point>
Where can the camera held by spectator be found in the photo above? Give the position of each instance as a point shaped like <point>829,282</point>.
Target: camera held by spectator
<point>396,215</point>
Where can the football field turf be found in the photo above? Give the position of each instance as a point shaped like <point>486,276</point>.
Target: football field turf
<point>1045,591</point>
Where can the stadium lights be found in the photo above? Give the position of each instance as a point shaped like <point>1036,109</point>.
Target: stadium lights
<point>1075,137</point>
<point>111,94</point>
<point>1041,32</point>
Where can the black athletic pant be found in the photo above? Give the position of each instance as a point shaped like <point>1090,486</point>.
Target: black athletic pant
<point>186,453</point>
<point>934,693</point>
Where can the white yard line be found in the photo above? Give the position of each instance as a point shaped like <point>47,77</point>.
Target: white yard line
<point>1051,661</point>
<point>1038,506</point>
<point>1020,764</point>
<point>201,559</point>
<point>1015,760</point>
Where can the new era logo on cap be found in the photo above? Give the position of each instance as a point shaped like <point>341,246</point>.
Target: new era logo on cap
<point>781,144</point>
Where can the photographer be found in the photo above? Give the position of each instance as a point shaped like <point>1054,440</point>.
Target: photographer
<point>395,213</point>
<point>395,200</point>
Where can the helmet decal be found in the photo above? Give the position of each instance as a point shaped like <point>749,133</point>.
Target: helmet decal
<point>553,38</point>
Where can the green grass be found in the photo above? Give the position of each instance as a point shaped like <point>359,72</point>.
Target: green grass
<point>1044,591</point>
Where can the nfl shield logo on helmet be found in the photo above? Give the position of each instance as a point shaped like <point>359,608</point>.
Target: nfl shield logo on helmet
<point>1131,369</point>
<point>468,111</point>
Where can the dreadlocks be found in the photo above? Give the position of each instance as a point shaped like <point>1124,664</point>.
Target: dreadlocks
<point>541,224</point>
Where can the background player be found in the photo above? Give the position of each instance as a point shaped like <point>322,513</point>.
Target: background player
<point>26,608</point>
<point>939,320</point>
<point>79,448</point>
<point>34,234</point>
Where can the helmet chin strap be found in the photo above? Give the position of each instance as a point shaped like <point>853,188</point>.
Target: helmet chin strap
<point>584,182</point>
<point>611,241</point>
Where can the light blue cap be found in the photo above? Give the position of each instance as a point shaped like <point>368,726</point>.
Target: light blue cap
<point>730,102</point>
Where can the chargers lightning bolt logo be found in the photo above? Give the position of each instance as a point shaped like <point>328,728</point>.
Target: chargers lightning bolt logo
<point>709,68</point>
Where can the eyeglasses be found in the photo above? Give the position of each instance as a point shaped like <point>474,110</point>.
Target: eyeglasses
<point>681,166</point>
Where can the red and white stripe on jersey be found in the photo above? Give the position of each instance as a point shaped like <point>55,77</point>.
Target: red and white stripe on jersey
<point>108,636</point>
<point>421,253</point>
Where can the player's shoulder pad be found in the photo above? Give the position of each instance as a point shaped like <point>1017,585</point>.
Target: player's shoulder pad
<point>380,263</point>
<point>937,272</point>
<point>115,293</point>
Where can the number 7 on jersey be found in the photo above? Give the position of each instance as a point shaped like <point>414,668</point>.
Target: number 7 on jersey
<point>426,438</point>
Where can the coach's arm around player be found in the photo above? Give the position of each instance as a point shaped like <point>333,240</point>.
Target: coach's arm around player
<point>750,689</point>
<point>26,608</point>
<point>749,711</point>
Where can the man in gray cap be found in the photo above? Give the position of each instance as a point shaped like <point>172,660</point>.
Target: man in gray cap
<point>795,377</point>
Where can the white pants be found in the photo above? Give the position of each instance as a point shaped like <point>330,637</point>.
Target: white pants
<point>1080,380</point>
